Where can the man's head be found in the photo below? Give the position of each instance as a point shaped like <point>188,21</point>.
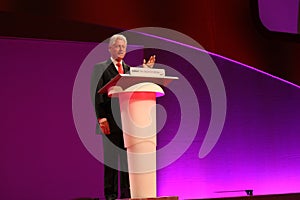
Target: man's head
<point>117,46</point>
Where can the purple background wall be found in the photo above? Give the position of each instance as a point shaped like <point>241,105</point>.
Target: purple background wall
<point>258,148</point>
<point>42,156</point>
<point>280,15</point>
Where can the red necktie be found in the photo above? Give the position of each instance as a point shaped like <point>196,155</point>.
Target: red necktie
<point>120,68</point>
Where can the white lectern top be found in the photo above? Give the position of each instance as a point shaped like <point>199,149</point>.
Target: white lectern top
<point>127,80</point>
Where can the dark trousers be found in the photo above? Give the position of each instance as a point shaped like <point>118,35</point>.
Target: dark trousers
<point>115,157</point>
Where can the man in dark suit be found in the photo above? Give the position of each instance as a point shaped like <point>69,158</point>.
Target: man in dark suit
<point>109,120</point>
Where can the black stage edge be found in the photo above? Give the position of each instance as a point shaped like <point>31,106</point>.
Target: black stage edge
<point>291,196</point>
<point>152,198</point>
<point>155,198</point>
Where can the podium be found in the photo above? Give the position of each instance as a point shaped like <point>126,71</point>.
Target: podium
<point>137,96</point>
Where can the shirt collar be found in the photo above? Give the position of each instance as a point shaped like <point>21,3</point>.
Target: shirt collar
<point>115,62</point>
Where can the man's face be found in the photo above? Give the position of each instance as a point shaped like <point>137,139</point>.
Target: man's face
<point>118,49</point>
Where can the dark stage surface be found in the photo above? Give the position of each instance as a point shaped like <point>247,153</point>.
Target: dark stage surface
<point>294,196</point>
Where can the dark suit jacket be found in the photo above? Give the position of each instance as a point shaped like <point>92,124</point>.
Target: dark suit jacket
<point>106,107</point>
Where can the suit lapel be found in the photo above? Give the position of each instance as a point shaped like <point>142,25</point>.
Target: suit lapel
<point>112,69</point>
<point>125,67</point>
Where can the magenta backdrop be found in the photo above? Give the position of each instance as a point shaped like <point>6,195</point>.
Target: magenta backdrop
<point>42,156</point>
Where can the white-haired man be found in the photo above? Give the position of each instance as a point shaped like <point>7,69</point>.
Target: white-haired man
<point>109,120</point>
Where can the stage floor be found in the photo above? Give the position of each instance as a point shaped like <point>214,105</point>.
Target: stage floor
<point>292,196</point>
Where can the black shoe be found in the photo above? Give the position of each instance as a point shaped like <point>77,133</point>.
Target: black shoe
<point>111,197</point>
<point>125,194</point>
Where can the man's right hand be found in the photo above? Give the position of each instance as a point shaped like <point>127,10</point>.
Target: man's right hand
<point>103,123</point>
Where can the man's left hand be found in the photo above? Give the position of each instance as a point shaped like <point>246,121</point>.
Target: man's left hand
<point>150,62</point>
